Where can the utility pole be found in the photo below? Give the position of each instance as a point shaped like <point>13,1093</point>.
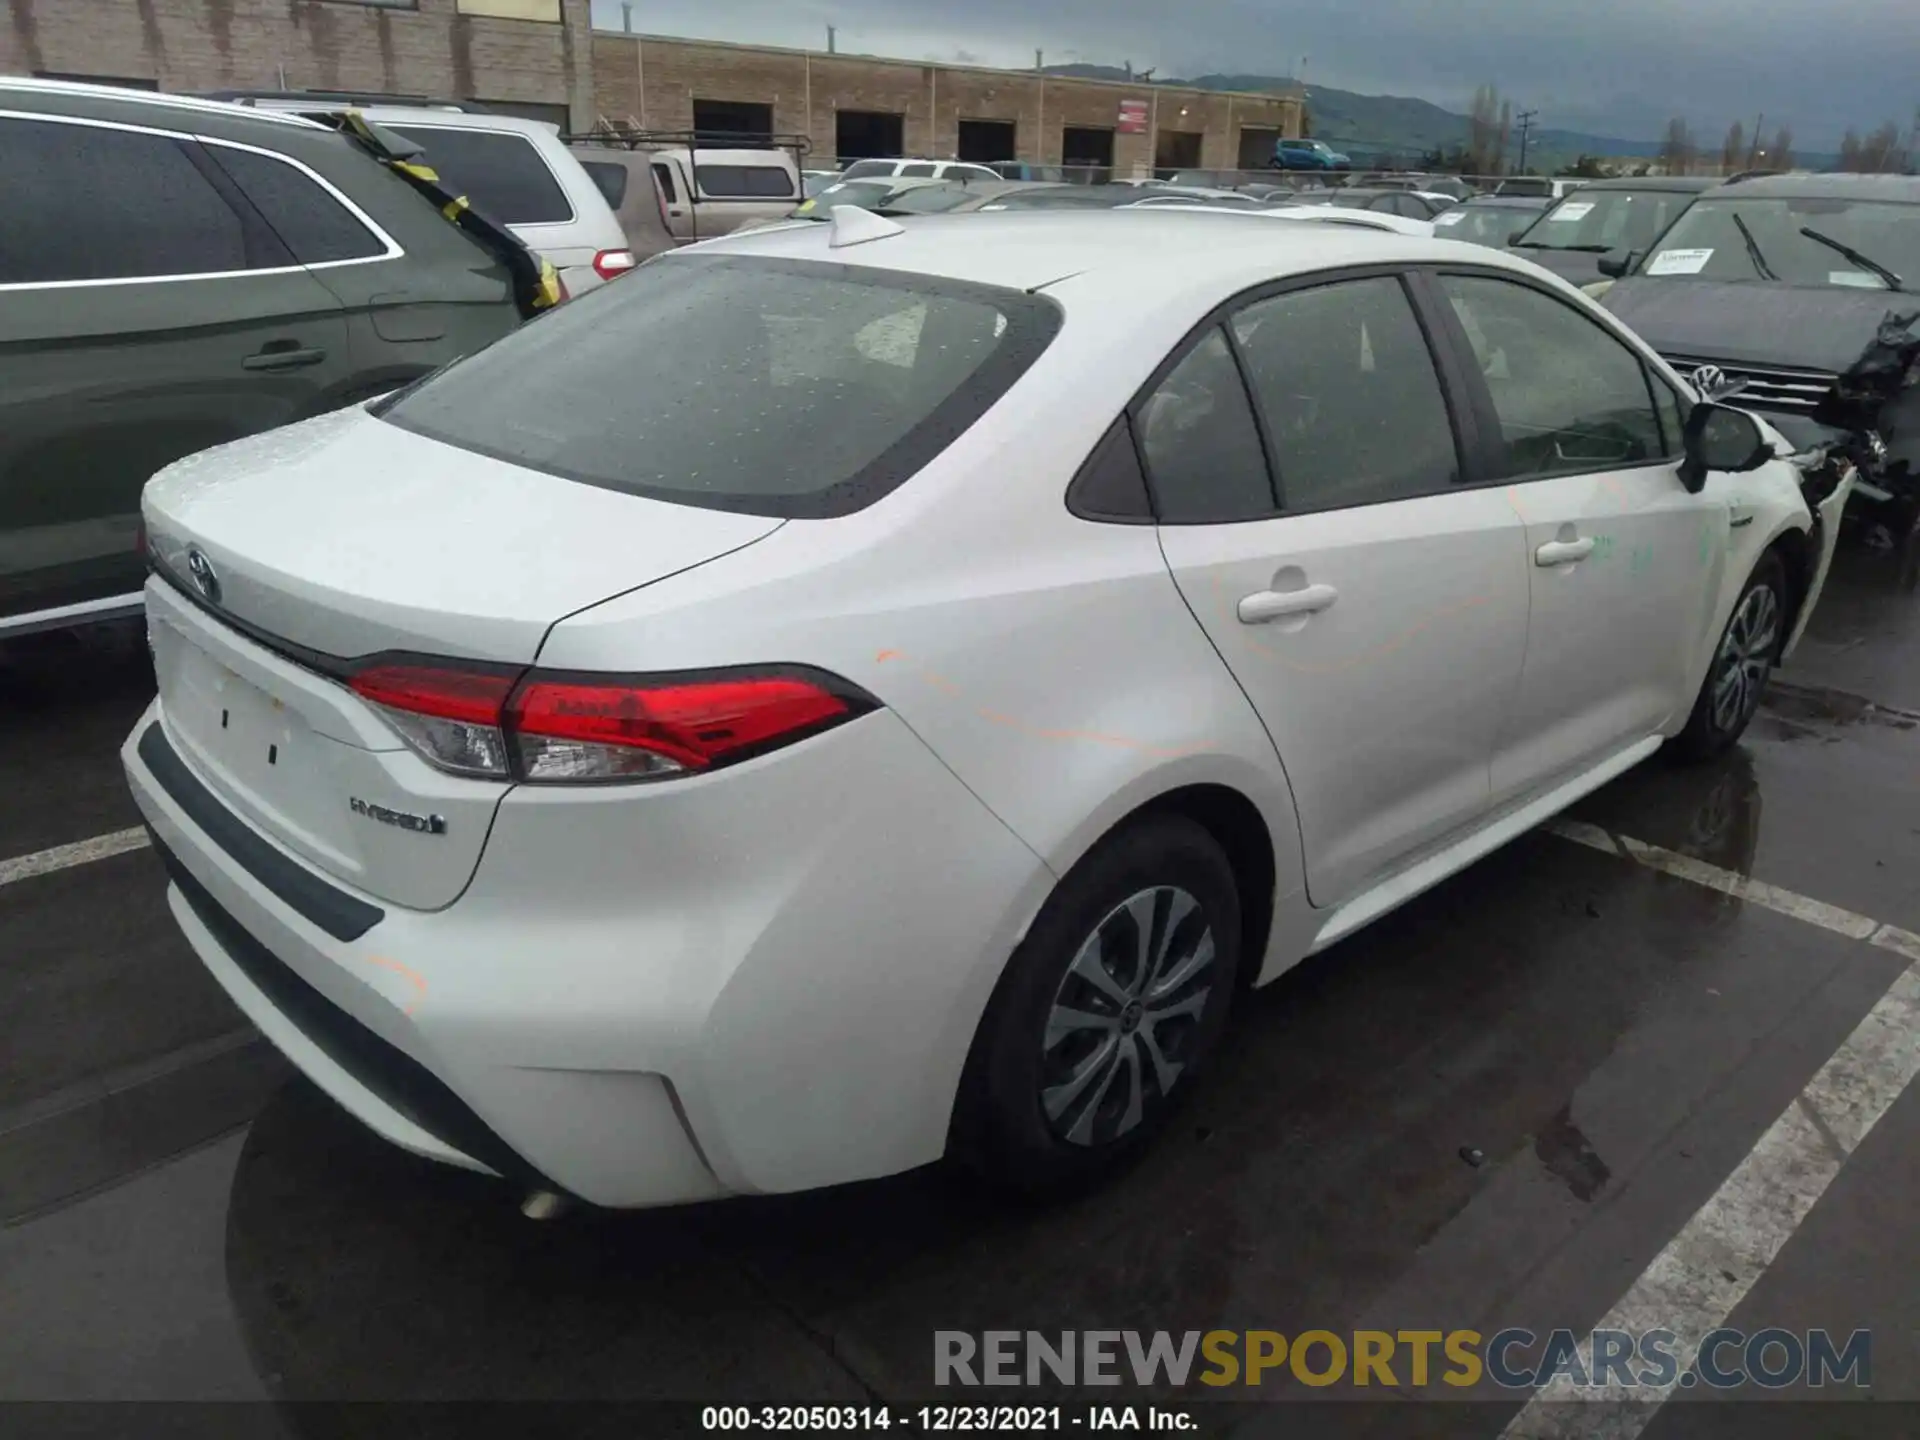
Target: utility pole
<point>1525,120</point>
<point>1758,145</point>
<point>626,17</point>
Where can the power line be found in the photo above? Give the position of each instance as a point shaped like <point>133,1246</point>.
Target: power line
<point>1525,120</point>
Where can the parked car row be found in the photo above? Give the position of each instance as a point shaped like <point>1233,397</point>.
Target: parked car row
<point>704,853</point>
<point>568,815</point>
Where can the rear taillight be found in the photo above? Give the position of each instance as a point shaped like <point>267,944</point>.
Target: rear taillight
<point>609,263</point>
<point>451,716</point>
<point>557,728</point>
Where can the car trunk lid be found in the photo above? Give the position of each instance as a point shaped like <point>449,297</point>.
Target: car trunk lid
<point>286,558</point>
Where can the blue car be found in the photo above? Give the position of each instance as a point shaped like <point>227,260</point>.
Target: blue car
<point>1308,155</point>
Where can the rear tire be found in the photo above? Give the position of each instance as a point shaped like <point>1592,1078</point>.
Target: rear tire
<point>1742,663</point>
<point>1107,1012</point>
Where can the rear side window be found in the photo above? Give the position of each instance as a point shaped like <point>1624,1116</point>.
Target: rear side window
<point>1350,395</point>
<point>79,202</point>
<point>764,181</point>
<point>610,179</point>
<point>868,167</point>
<point>1201,445</point>
<point>499,172</point>
<point>316,227</point>
<point>913,172</point>
<point>773,387</point>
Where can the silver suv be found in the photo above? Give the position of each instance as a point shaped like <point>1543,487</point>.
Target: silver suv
<point>516,171</point>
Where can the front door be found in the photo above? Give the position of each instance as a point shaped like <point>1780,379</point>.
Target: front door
<point>1624,561</point>
<point>1372,609</point>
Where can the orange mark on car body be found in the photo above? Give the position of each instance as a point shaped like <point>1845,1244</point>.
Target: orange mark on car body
<point>411,976</point>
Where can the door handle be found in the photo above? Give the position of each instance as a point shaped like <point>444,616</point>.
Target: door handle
<point>1563,552</point>
<point>290,358</point>
<point>1265,605</point>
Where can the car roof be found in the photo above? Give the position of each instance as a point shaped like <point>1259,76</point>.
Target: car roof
<point>149,100</point>
<point>1128,250</point>
<point>1830,187</point>
<point>1508,202</point>
<point>1655,182</point>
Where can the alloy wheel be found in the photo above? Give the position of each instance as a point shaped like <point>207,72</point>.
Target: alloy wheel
<point>1126,1016</point>
<point>1746,657</point>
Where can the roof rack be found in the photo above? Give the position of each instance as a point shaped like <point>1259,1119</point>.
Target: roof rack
<point>346,97</point>
<point>632,137</point>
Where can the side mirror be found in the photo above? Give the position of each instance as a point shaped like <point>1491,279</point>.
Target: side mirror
<point>1616,263</point>
<point>1723,439</point>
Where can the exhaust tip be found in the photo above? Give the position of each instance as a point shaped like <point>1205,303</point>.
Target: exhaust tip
<point>544,1205</point>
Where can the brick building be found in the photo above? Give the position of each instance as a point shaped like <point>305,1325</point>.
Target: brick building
<point>543,58</point>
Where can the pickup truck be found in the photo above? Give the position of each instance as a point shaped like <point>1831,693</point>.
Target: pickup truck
<point>1308,155</point>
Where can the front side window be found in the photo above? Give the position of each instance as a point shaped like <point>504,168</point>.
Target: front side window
<point>771,387</point>
<point>498,171</point>
<point>1200,442</point>
<point>1348,389</point>
<point>915,172</point>
<point>663,176</point>
<point>860,168</point>
<point>317,228</point>
<point>740,181</point>
<point>82,202</point>
<point>1491,225</point>
<point>1766,238</point>
<point>1568,395</point>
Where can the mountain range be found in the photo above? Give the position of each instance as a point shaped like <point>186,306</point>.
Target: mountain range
<point>1376,124</point>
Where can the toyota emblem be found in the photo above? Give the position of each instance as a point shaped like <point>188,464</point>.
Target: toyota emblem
<point>205,578</point>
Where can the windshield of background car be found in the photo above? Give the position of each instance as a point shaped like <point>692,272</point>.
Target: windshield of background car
<point>867,194</point>
<point>774,387</point>
<point>1481,224</point>
<point>1705,242</point>
<point>1602,220</point>
<point>928,199</point>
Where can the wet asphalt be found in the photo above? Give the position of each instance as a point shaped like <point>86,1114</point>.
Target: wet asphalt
<point>1492,1108</point>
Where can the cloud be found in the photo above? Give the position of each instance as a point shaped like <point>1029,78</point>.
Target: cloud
<point>1620,68</point>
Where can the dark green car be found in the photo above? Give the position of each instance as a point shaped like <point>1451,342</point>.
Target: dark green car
<point>175,274</point>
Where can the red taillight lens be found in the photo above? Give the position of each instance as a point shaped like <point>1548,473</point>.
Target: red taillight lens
<point>558,728</point>
<point>450,716</point>
<point>609,263</point>
<point>586,728</point>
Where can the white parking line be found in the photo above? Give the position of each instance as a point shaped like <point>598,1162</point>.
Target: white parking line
<point>64,857</point>
<point>1721,1253</point>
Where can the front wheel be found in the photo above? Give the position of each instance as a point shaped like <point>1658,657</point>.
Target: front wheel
<point>1107,1011</point>
<point>1742,664</point>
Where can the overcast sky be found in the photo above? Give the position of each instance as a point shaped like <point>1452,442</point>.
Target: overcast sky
<point>1613,67</point>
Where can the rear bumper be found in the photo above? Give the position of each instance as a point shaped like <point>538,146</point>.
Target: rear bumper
<point>769,982</point>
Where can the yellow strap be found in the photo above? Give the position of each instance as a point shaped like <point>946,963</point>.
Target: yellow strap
<point>549,286</point>
<point>454,206</point>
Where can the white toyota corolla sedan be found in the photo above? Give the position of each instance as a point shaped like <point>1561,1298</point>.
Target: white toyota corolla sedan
<point>851,694</point>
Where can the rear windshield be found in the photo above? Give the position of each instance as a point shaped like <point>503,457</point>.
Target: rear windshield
<point>774,387</point>
<point>767,181</point>
<point>499,172</point>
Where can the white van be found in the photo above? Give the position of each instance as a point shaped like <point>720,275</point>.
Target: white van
<point>516,171</point>
<point>711,192</point>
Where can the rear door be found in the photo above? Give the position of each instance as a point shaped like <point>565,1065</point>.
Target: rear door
<point>1372,608</point>
<point>1624,562</point>
<point>146,312</point>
